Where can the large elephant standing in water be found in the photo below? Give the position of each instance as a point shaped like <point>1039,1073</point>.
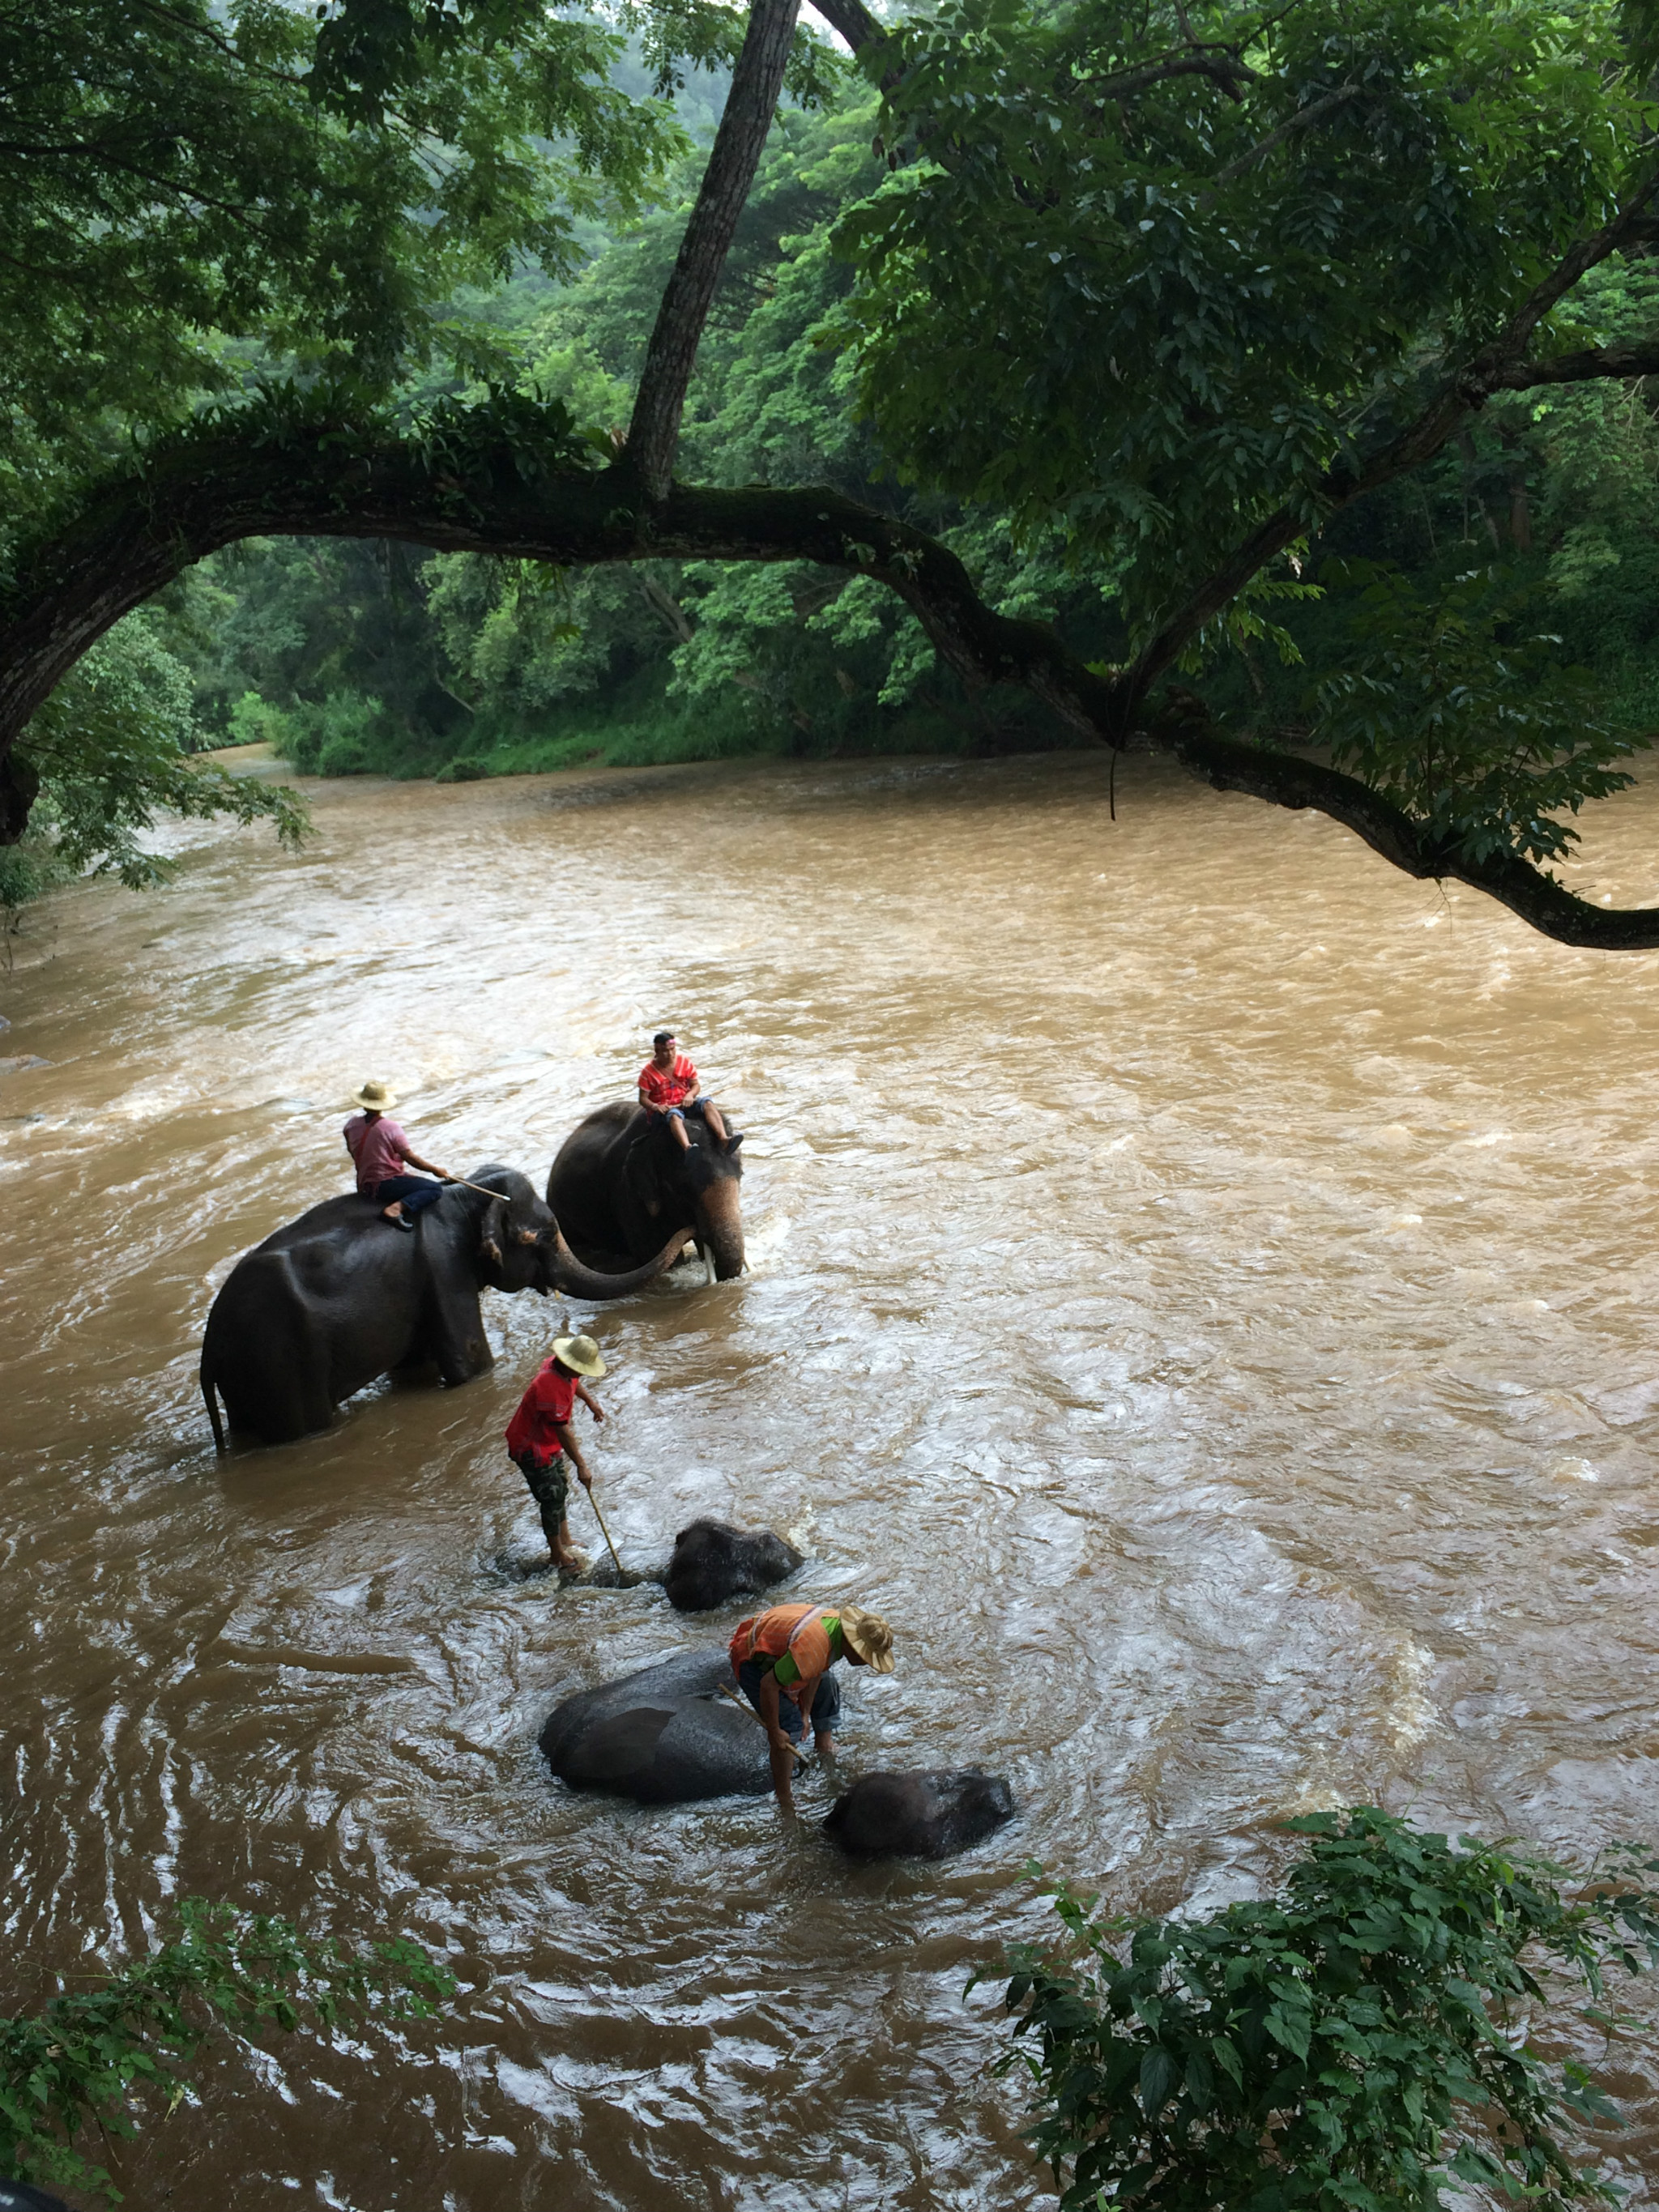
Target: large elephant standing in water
<point>338,1298</point>
<point>621,1176</point>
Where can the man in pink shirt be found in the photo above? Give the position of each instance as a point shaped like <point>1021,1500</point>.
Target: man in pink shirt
<point>379,1149</point>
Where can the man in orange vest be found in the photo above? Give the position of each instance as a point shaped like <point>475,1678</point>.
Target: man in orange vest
<point>781,1659</point>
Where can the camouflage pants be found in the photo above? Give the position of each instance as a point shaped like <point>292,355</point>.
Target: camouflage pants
<point>549,1486</point>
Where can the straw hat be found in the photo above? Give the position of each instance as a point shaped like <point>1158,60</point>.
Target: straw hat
<point>869,1636</point>
<point>374,1097</point>
<point>580,1354</point>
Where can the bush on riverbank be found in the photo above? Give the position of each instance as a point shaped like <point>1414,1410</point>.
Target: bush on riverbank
<point>1327,2047</point>
<point>78,2065</point>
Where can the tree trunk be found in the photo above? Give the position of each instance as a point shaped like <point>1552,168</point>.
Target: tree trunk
<point>653,434</point>
<point>1514,467</point>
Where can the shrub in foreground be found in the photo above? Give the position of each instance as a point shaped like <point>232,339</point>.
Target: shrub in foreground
<point>1362,2039</point>
<point>78,2064</point>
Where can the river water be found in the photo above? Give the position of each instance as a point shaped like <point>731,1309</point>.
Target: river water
<point>1202,1292</point>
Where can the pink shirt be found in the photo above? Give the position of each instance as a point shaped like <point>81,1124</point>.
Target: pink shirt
<point>378,1147</point>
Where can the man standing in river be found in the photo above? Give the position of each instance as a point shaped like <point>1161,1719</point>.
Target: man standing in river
<point>781,1659</point>
<point>541,1436</point>
<point>670,1090</point>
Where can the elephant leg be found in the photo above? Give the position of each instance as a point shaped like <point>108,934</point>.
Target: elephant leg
<point>455,1337</point>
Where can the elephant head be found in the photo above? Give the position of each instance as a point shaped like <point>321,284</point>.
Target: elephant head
<point>520,1247</point>
<point>711,1178</point>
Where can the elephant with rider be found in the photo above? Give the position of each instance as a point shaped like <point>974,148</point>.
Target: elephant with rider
<point>330,1302</point>
<point>622,1177</point>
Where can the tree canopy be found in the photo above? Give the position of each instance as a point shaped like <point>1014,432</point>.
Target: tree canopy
<point>1149,294</point>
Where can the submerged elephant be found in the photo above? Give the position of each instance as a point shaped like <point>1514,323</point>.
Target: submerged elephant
<point>713,1561</point>
<point>671,1734</point>
<point>336,1299</point>
<point>620,1176</point>
<point>914,1815</point>
<point>22,2197</point>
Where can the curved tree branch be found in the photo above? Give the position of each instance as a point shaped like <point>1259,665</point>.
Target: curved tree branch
<point>1635,357</point>
<point>1496,368</point>
<point>1184,731</point>
<point>852,20</point>
<point>322,480</point>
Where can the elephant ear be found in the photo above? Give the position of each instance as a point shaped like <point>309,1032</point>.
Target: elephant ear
<point>641,1170</point>
<point>491,1231</point>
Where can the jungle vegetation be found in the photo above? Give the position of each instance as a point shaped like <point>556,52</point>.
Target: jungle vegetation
<point>1260,386</point>
<point>1370,2036</point>
<point>78,2078</point>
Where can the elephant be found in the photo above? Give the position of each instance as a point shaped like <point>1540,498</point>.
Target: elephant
<point>22,2196</point>
<point>713,1561</point>
<point>671,1734</point>
<point>914,1815</point>
<point>620,1175</point>
<point>338,1298</point>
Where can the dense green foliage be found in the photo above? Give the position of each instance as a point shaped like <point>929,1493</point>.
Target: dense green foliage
<point>1092,294</point>
<point>1362,2040</point>
<point>110,748</point>
<point>79,2062</point>
<point>200,198</point>
<point>188,195</point>
<point>413,666</point>
<point>1213,387</point>
<point>1181,307</point>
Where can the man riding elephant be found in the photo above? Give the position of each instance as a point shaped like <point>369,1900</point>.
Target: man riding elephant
<point>671,1091</point>
<point>628,1170</point>
<point>330,1302</point>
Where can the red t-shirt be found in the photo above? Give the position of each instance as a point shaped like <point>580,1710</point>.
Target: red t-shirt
<point>668,1087</point>
<point>380,1148</point>
<point>550,1400</point>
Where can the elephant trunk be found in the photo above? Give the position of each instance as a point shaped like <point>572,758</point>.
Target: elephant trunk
<point>569,1275</point>
<point>719,1229</point>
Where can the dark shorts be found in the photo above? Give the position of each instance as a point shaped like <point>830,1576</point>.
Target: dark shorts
<point>416,1192</point>
<point>826,1704</point>
<point>549,1486</point>
<point>696,1111</point>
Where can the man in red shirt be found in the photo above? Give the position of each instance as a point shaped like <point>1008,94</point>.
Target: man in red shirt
<point>670,1090</point>
<point>540,1436</point>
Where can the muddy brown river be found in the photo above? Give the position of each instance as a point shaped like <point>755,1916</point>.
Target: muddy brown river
<point>1202,1290</point>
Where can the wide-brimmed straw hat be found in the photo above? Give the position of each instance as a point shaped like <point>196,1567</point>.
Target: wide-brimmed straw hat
<point>869,1636</point>
<point>374,1097</point>
<point>580,1354</point>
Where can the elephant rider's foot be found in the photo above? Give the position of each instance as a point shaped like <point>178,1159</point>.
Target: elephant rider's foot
<point>398,1217</point>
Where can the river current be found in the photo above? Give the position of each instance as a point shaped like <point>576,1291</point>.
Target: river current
<point>1202,1292</point>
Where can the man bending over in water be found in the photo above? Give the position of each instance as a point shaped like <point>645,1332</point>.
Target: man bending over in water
<point>781,1659</point>
<point>670,1090</point>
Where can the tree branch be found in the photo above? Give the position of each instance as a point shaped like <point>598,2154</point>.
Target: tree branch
<point>1460,394</point>
<point>655,432</point>
<point>852,20</point>
<point>1636,357</point>
<point>1185,731</point>
<point>324,480</point>
<point>1303,118</point>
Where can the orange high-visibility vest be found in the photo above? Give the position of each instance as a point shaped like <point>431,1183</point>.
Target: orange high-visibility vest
<point>796,1629</point>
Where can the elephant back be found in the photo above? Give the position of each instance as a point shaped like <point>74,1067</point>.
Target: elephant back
<point>664,1736</point>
